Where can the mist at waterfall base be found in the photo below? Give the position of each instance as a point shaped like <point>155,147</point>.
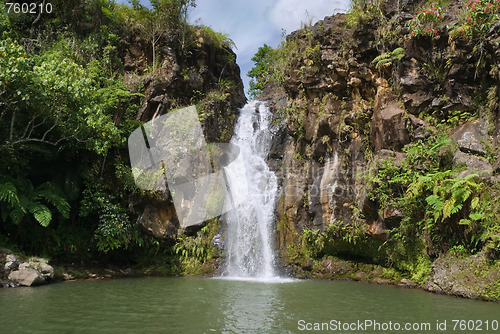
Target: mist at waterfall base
<point>248,235</point>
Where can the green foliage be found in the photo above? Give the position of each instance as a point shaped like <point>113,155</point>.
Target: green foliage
<point>164,20</point>
<point>388,186</point>
<point>360,12</point>
<point>196,250</point>
<point>262,72</point>
<point>301,54</point>
<point>20,199</point>
<point>441,209</point>
<point>313,243</point>
<point>217,38</point>
<point>386,59</point>
<point>49,100</point>
<point>114,229</point>
<point>450,195</point>
<point>4,19</point>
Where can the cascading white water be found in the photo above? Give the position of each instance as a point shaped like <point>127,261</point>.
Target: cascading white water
<point>248,236</point>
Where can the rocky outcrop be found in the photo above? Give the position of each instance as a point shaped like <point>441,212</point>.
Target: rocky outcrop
<point>202,73</point>
<point>160,221</point>
<point>346,115</point>
<point>467,277</point>
<point>185,77</point>
<point>15,271</point>
<point>478,165</point>
<point>471,137</point>
<point>389,125</point>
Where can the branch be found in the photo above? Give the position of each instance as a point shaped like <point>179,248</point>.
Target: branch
<point>53,126</point>
<point>41,140</point>
<point>12,121</point>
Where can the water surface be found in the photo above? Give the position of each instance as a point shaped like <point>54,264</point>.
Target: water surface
<point>197,305</point>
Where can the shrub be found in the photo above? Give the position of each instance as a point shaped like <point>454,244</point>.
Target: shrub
<point>426,22</point>
<point>477,20</point>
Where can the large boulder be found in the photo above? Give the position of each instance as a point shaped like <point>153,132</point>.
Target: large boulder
<point>40,265</point>
<point>27,277</point>
<point>160,221</point>
<point>11,262</point>
<point>35,271</point>
<point>469,277</point>
<point>474,163</point>
<point>470,138</point>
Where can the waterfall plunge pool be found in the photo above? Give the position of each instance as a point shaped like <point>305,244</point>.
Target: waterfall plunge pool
<point>203,305</point>
<point>249,297</point>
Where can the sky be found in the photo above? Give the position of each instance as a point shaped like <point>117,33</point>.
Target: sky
<point>251,23</point>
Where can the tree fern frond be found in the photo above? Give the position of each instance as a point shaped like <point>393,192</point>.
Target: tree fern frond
<point>398,51</point>
<point>383,62</point>
<point>17,215</point>
<point>474,202</point>
<point>383,56</point>
<point>464,222</point>
<point>448,207</point>
<point>466,194</point>
<point>49,192</point>
<point>456,208</point>
<point>8,193</point>
<point>42,214</point>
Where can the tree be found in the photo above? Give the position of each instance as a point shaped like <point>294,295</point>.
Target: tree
<point>165,16</point>
<point>262,70</point>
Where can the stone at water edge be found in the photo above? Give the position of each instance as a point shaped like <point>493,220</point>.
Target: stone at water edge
<point>11,262</point>
<point>40,265</point>
<point>35,271</point>
<point>26,277</point>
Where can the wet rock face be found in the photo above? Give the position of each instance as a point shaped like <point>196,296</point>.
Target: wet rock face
<point>389,128</point>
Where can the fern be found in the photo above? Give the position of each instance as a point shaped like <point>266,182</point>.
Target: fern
<point>397,53</point>
<point>8,193</point>
<point>448,207</point>
<point>449,194</point>
<point>474,202</point>
<point>19,198</point>
<point>42,214</point>
<point>386,59</point>
<point>52,195</point>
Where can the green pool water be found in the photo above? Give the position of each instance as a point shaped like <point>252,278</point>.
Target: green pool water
<point>203,305</point>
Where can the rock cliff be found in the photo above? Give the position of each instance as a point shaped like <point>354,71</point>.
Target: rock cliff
<point>206,75</point>
<point>364,98</point>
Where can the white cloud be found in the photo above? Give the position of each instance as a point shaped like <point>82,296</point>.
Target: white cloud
<point>290,14</point>
<point>250,24</point>
<point>246,22</point>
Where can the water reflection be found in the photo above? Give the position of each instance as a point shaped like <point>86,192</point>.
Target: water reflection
<point>251,307</point>
<point>192,305</point>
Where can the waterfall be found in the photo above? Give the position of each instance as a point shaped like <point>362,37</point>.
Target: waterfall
<point>249,236</point>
